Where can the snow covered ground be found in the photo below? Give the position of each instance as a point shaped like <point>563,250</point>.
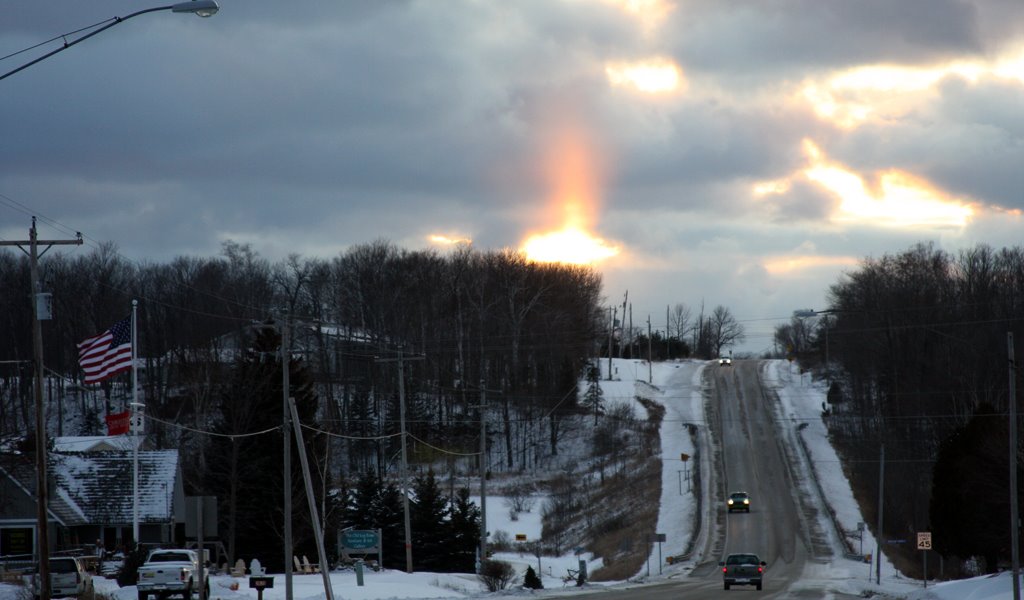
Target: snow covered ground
<point>677,385</point>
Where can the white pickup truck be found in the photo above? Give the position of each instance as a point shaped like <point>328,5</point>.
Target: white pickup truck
<point>169,572</point>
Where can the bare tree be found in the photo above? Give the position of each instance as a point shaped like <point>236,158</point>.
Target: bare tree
<point>679,320</point>
<point>724,329</point>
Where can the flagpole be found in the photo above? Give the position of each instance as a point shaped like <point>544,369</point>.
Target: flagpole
<point>134,431</point>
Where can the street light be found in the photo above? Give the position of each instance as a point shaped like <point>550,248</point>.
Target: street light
<point>203,8</point>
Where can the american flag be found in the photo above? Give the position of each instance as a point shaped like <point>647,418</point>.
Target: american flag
<point>107,354</point>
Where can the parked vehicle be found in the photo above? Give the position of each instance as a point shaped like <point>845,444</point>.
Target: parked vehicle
<point>68,577</point>
<point>169,572</point>
<point>743,569</point>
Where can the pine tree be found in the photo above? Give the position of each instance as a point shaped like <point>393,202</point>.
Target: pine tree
<point>429,531</point>
<point>463,532</point>
<point>969,508</point>
<point>593,399</point>
<point>530,580</point>
<point>246,477</point>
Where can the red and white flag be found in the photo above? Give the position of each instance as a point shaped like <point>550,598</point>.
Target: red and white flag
<point>107,354</point>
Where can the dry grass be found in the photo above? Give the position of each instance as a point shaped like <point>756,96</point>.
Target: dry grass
<point>630,517</point>
<point>621,540</point>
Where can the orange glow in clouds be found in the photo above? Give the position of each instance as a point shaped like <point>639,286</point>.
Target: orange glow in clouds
<point>650,13</point>
<point>447,240</point>
<point>885,92</point>
<point>571,167</point>
<point>895,198</point>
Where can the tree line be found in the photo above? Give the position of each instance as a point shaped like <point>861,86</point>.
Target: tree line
<point>915,346</point>
<point>478,336</point>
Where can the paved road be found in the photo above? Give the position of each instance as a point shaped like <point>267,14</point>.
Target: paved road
<point>750,456</point>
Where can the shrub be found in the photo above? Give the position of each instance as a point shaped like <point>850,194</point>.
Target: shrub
<point>496,575</point>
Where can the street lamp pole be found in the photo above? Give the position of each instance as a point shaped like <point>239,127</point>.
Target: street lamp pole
<point>202,8</point>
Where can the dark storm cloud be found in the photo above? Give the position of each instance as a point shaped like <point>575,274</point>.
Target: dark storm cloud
<point>758,40</point>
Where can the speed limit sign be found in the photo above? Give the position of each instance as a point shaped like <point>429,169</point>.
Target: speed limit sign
<point>924,540</point>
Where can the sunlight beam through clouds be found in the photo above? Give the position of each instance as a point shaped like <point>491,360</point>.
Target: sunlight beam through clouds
<point>895,199</point>
<point>573,170</point>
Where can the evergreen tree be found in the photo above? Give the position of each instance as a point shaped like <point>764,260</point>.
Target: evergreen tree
<point>593,398</point>
<point>463,532</point>
<point>428,517</point>
<point>246,473</point>
<point>378,505</point>
<point>389,517</point>
<point>530,580</point>
<point>969,504</point>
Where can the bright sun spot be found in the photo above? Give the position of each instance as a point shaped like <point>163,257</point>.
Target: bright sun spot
<point>571,246</point>
<point>655,76</point>
<point>895,199</point>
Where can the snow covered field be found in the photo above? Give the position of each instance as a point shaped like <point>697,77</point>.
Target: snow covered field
<point>677,385</point>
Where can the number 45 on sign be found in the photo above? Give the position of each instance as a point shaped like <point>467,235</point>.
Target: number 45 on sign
<point>924,540</point>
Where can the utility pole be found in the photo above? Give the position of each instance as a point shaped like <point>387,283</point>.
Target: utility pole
<point>611,334</point>
<point>42,502</point>
<point>405,456</point>
<point>622,340</point>
<point>668,336</point>
<point>405,464</point>
<point>318,532</point>
<point>878,532</point>
<point>650,372</point>
<point>483,472</point>
<point>1014,518</point>
<point>286,439</point>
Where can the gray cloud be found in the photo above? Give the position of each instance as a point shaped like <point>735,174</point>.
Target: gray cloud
<point>310,128</point>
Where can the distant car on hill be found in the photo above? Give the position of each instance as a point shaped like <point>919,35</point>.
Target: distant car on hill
<point>738,501</point>
<point>725,361</point>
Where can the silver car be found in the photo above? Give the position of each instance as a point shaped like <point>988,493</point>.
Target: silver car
<point>68,577</point>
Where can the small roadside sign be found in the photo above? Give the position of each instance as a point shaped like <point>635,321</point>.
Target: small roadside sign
<point>684,457</point>
<point>520,537</point>
<point>924,540</point>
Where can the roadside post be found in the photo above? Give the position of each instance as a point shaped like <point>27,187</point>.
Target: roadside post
<point>924,543</point>
<point>660,538</point>
<point>260,583</point>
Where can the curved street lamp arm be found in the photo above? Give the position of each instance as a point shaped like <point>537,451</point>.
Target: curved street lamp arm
<point>202,8</point>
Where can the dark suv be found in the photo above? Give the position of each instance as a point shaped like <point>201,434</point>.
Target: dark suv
<point>743,569</point>
<point>738,501</point>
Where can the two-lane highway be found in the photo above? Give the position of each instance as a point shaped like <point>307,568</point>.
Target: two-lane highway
<point>750,455</point>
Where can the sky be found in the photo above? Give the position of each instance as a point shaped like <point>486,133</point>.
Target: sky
<point>744,154</point>
<point>677,386</point>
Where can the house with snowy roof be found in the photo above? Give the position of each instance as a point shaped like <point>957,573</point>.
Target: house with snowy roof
<point>91,498</point>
